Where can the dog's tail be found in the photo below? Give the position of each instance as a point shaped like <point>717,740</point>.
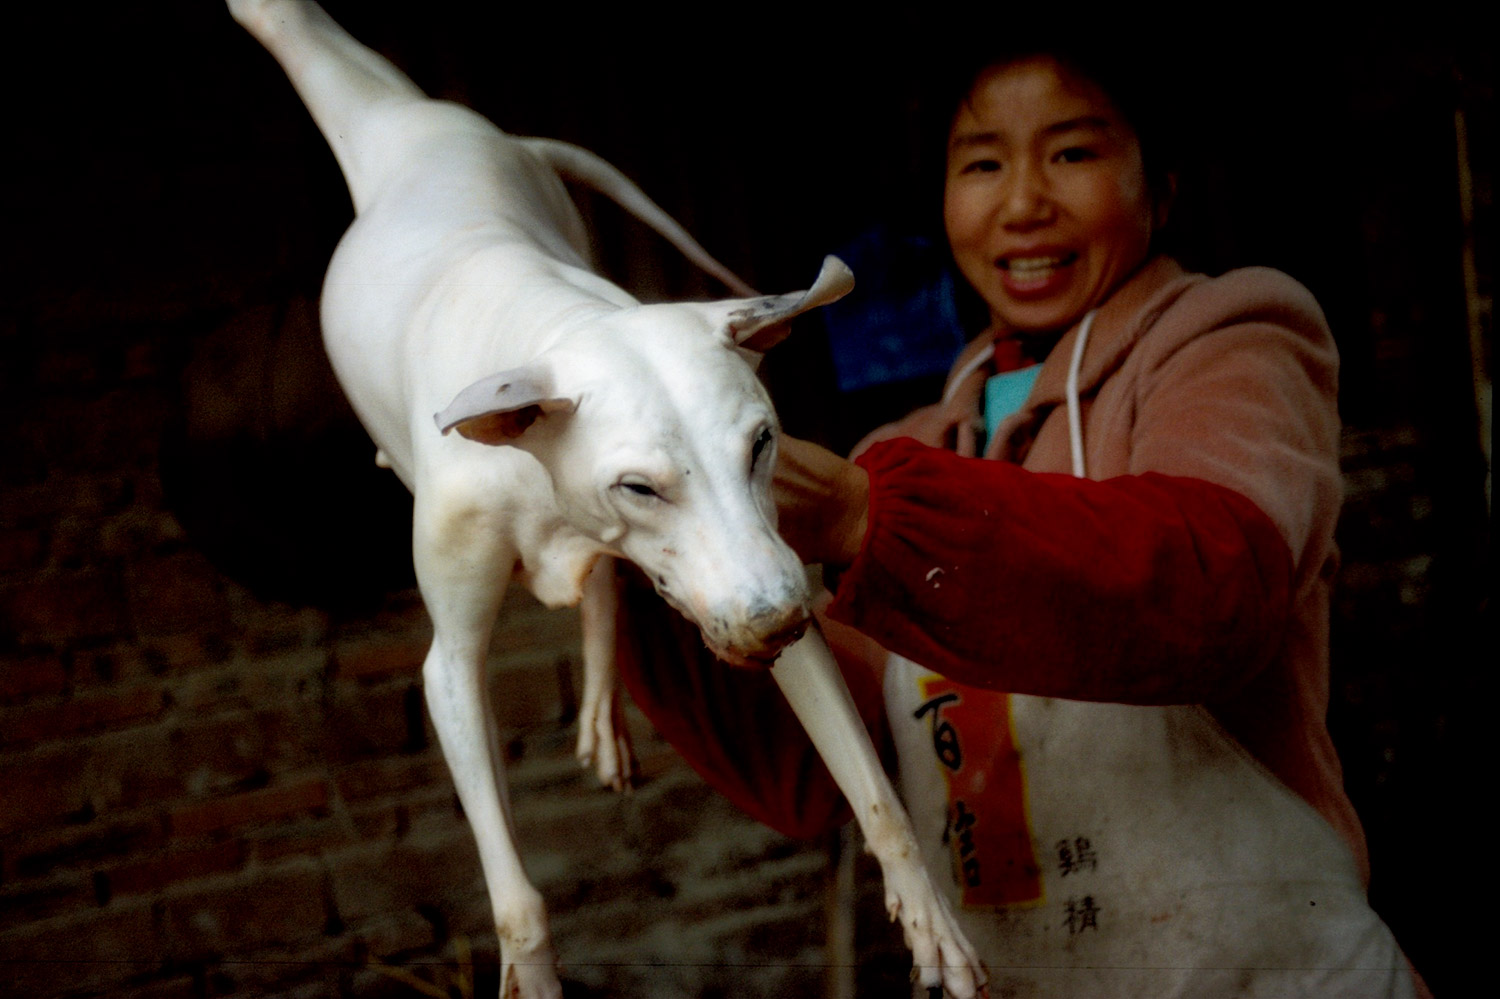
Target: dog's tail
<point>583,167</point>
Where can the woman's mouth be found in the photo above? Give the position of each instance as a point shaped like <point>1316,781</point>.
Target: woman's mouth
<point>1035,275</point>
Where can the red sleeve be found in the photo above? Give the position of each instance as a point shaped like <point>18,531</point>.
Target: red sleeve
<point>733,725</point>
<point>1145,589</point>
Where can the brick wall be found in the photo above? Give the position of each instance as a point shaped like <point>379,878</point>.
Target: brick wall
<point>216,773</point>
<point>206,792</point>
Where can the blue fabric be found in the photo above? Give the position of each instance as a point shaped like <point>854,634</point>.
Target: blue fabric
<point>1005,393</point>
<point>901,320</point>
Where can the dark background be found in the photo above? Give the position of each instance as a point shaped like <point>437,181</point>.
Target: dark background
<point>166,182</point>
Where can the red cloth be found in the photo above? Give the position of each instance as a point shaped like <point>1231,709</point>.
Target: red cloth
<point>1146,589</point>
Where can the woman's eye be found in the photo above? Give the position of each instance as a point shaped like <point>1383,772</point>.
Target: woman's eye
<point>981,166</point>
<point>1076,154</point>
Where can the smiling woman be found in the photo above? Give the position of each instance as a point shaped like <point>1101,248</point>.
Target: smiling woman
<point>1046,204</point>
<point>1102,654</point>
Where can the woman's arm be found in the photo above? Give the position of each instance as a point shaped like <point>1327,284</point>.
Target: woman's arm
<point>1141,589</point>
<point>1171,584</point>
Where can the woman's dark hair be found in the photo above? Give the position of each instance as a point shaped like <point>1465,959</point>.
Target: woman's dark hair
<point>1135,84</point>
<point>1111,57</point>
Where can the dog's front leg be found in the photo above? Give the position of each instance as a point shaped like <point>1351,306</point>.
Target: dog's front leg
<point>463,567</point>
<point>603,738</point>
<point>941,955</point>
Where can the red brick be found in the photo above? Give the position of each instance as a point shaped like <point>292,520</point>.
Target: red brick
<point>99,950</point>
<point>250,808</point>
<point>268,630</point>
<point>379,657</point>
<point>41,789</point>
<point>136,767</point>
<point>186,652</point>
<point>434,807</point>
<point>75,542</point>
<point>536,632</point>
<point>309,970</point>
<point>175,987</point>
<point>241,915</point>
<point>362,722</point>
<point>117,430</point>
<point>32,676</point>
<point>382,820</point>
<point>305,838</point>
<point>288,736</point>
<point>69,368</point>
<point>213,753</point>
<point>92,494</point>
<point>387,776</point>
<point>441,871</point>
<point>59,609</point>
<point>38,900</point>
<point>174,866</point>
<point>100,666</point>
<point>54,849</point>
<point>181,594</point>
<point>403,612</point>
<point>139,532</point>
<point>142,360</point>
<point>525,694</point>
<point>290,683</point>
<point>22,550</point>
<point>78,715</point>
<point>398,933</point>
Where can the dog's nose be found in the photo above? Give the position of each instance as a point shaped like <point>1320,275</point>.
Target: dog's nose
<point>760,638</point>
<point>774,628</point>
<point>785,635</point>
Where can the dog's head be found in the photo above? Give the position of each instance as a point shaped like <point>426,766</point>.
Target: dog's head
<point>660,443</point>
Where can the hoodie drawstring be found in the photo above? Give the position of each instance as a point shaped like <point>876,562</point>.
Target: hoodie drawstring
<point>1075,417</point>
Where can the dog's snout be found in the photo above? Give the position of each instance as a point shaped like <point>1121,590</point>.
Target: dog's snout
<point>766,633</point>
<point>787,633</point>
<point>779,626</point>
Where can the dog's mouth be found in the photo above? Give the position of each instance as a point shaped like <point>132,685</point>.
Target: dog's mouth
<point>765,654</point>
<point>759,652</point>
<point>746,662</point>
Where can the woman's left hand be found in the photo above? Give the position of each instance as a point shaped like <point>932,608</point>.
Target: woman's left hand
<point>823,501</point>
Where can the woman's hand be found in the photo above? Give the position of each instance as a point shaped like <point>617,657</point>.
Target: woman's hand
<point>823,500</point>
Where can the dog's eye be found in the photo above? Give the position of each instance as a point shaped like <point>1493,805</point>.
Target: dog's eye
<point>761,443</point>
<point>638,488</point>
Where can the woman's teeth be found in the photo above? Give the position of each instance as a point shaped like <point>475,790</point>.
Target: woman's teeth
<point>1023,265</point>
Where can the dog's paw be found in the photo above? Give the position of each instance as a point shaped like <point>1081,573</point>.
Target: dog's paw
<point>604,744</point>
<point>941,956</point>
<point>522,979</point>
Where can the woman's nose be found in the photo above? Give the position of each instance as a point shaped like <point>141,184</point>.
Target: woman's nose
<point>1026,201</point>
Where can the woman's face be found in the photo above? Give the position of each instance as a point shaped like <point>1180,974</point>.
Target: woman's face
<point>1046,203</point>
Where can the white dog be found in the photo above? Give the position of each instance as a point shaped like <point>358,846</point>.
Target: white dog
<point>588,425</point>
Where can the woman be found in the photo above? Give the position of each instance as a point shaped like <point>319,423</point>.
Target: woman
<point>1115,739</point>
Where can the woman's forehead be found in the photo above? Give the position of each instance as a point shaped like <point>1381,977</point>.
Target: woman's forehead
<point>1031,95</point>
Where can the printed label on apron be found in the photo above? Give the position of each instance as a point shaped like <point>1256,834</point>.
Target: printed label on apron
<point>987,829</point>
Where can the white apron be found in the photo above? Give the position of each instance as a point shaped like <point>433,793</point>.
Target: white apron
<point>1110,850</point>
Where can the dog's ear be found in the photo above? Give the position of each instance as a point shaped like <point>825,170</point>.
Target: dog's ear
<point>761,323</point>
<point>498,409</point>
